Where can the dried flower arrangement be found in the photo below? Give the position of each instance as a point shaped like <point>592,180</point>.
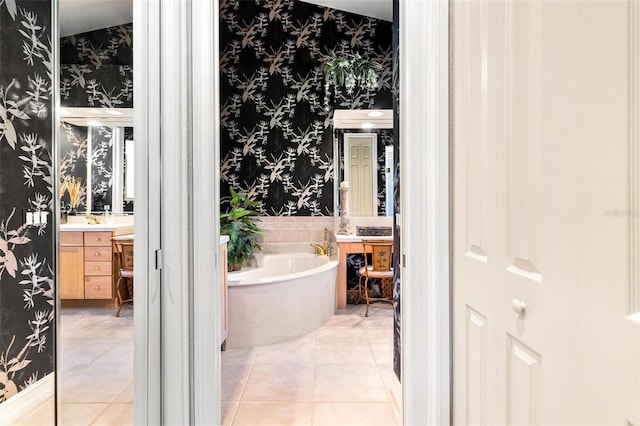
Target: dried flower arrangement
<point>73,186</point>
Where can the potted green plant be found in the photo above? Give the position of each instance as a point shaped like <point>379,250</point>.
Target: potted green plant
<point>237,220</point>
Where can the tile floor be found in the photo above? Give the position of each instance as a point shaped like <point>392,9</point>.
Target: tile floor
<point>338,375</point>
<point>97,366</point>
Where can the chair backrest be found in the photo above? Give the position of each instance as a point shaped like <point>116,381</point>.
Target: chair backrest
<point>124,250</point>
<point>381,254</point>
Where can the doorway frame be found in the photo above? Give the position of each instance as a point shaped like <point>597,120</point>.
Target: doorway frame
<point>426,351</point>
<point>425,212</point>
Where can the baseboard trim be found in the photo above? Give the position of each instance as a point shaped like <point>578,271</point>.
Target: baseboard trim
<point>21,405</point>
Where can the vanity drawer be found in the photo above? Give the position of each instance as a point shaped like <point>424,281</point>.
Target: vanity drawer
<point>71,239</point>
<point>98,287</point>
<point>97,268</point>
<point>102,254</point>
<point>97,239</point>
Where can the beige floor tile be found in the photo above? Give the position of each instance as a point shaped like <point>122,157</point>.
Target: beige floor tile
<point>340,335</point>
<point>95,383</point>
<point>279,382</point>
<point>81,354</point>
<point>234,378</point>
<point>127,394</point>
<point>274,414</point>
<point>389,377</point>
<point>297,351</point>
<point>44,414</point>
<point>344,353</point>
<point>353,414</point>
<point>78,414</point>
<point>382,353</point>
<point>348,382</point>
<point>238,356</point>
<point>344,321</point>
<point>229,409</point>
<point>118,354</point>
<point>380,335</point>
<point>119,414</point>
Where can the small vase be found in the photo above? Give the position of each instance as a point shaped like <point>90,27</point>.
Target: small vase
<point>63,216</point>
<point>73,212</point>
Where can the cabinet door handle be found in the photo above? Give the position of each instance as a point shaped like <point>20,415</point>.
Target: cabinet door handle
<point>97,238</point>
<point>97,287</point>
<point>97,268</point>
<point>97,253</point>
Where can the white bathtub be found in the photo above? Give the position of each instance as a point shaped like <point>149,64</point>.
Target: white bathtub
<point>286,296</point>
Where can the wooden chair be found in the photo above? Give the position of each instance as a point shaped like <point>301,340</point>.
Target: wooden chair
<point>124,285</point>
<point>380,267</point>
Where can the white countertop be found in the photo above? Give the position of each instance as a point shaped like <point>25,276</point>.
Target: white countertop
<point>98,227</point>
<point>224,239</point>
<point>353,238</point>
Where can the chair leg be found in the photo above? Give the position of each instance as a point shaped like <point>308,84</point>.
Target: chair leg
<point>119,293</point>
<point>359,289</point>
<point>366,295</point>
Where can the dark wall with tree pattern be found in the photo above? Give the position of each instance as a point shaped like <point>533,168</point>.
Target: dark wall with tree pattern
<point>26,182</point>
<point>276,136</point>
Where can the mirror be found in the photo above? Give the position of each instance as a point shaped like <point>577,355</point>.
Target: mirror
<point>96,145</point>
<point>363,147</point>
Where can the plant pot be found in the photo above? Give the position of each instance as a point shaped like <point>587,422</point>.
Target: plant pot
<point>234,267</point>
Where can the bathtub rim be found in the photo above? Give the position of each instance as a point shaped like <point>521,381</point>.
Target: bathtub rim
<point>332,263</point>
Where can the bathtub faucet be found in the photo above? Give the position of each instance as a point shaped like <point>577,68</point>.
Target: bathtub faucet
<point>324,249</point>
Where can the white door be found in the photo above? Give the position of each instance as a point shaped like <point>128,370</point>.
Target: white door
<point>542,139</point>
<point>360,168</point>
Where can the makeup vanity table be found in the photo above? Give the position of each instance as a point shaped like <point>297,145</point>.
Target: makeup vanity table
<point>348,244</point>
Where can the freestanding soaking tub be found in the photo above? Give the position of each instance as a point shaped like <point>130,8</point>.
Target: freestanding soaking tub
<point>286,296</point>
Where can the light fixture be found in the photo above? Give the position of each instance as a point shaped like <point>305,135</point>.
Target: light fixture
<point>367,125</point>
<point>375,113</point>
<point>94,123</point>
<point>114,112</point>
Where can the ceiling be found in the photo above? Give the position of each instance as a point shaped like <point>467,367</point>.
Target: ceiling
<point>363,118</point>
<point>381,9</point>
<point>78,16</point>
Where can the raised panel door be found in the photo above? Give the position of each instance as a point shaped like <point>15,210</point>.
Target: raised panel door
<point>71,272</point>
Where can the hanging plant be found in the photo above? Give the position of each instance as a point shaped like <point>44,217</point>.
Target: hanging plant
<point>348,71</point>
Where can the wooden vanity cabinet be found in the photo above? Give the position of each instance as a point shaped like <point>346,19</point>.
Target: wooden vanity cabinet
<point>86,264</point>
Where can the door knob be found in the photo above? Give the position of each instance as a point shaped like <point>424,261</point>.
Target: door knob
<point>518,306</point>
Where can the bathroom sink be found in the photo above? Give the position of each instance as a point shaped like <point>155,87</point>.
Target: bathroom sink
<point>374,231</point>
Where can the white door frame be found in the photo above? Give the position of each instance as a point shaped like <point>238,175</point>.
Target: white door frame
<point>177,321</point>
<point>425,224</point>
<point>165,86</point>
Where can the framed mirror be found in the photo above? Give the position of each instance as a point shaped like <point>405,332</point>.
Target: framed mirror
<point>96,145</point>
<point>363,147</point>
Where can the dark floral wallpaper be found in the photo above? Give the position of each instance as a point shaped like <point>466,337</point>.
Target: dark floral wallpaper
<point>276,136</point>
<point>26,182</point>
<point>96,71</point>
<point>96,68</point>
